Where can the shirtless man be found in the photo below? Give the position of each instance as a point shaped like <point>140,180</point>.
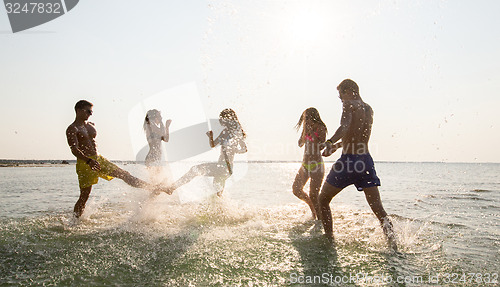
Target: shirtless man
<point>89,164</point>
<point>355,166</point>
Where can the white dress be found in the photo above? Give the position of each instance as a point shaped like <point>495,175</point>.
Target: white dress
<point>155,135</point>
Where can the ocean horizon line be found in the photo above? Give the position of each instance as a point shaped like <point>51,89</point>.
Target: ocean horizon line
<point>14,162</point>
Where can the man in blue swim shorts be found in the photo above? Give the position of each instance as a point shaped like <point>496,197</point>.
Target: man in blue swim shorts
<point>355,166</point>
<point>357,169</point>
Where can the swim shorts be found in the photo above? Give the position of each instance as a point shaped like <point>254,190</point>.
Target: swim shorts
<point>88,177</point>
<point>357,169</point>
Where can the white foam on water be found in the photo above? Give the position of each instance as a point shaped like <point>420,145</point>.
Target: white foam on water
<point>221,218</point>
<point>257,230</point>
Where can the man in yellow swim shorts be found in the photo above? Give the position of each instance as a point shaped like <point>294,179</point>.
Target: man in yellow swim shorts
<point>89,164</point>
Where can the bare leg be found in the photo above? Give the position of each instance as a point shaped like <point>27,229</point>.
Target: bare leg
<point>314,187</point>
<point>130,179</point>
<point>134,181</point>
<point>219,184</point>
<point>80,204</point>
<point>298,189</point>
<point>197,170</point>
<point>325,197</point>
<point>373,198</point>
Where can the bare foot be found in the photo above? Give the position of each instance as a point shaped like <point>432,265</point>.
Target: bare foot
<point>161,188</point>
<point>390,234</point>
<point>168,190</point>
<point>392,245</point>
<point>391,240</point>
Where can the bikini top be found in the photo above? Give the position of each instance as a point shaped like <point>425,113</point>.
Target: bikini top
<point>310,138</point>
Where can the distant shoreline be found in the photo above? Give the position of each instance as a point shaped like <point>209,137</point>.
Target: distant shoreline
<point>21,163</point>
<point>52,162</point>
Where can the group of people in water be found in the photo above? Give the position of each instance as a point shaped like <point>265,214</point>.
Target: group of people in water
<point>355,166</point>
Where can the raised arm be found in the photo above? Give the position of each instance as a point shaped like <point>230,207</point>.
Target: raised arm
<point>219,138</point>
<point>210,135</point>
<point>166,135</point>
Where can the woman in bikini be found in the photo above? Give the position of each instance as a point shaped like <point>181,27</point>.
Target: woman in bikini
<point>312,138</point>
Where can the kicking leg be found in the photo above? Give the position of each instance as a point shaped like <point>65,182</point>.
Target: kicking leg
<point>372,195</point>
<point>136,182</point>
<point>325,197</point>
<point>80,204</point>
<point>298,189</point>
<point>130,179</point>
<point>197,170</point>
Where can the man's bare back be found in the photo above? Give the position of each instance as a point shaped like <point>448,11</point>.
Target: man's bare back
<point>356,165</point>
<point>357,134</point>
<point>355,126</point>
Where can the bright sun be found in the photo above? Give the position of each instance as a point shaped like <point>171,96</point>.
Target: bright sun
<point>304,26</point>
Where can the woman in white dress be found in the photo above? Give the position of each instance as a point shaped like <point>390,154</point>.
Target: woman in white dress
<point>156,133</point>
<point>232,141</point>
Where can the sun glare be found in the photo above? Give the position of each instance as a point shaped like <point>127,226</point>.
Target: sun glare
<point>305,26</point>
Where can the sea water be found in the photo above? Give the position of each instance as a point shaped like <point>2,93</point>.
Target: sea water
<point>446,217</point>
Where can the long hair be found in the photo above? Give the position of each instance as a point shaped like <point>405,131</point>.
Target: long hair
<point>310,115</point>
<point>232,120</point>
<point>150,115</point>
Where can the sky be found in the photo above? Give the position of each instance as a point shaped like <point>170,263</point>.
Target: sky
<point>429,69</point>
